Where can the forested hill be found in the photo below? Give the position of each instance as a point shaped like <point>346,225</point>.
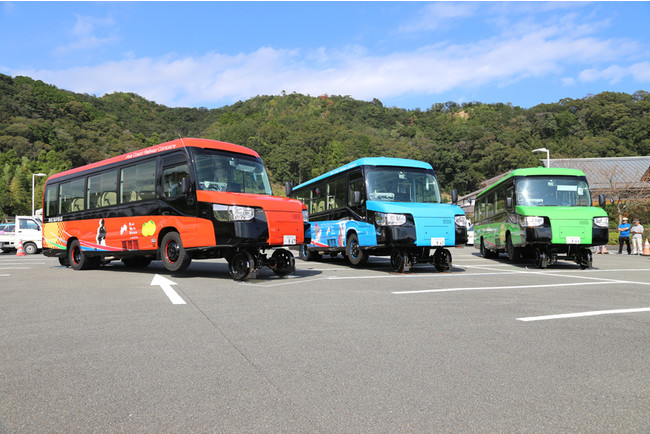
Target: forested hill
<point>46,129</point>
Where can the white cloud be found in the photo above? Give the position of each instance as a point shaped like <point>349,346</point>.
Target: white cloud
<point>216,79</point>
<point>84,36</point>
<point>641,72</point>
<point>613,74</point>
<point>438,15</point>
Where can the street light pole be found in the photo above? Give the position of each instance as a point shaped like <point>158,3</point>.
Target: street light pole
<point>548,160</point>
<point>33,175</point>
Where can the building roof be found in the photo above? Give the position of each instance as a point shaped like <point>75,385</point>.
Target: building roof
<point>607,173</point>
<point>602,174</point>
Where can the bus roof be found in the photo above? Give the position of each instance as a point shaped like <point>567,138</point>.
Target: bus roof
<point>369,161</point>
<point>187,142</point>
<point>535,171</point>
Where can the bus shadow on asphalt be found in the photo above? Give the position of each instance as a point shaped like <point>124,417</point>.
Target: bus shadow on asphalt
<point>528,263</point>
<point>208,270</point>
<point>381,264</point>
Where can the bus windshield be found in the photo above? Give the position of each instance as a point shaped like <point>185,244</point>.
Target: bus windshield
<point>402,184</point>
<point>553,191</point>
<point>217,171</point>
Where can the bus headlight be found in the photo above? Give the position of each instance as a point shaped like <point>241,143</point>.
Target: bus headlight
<point>305,216</point>
<point>601,222</point>
<point>234,213</point>
<point>461,221</point>
<point>531,222</point>
<point>389,219</point>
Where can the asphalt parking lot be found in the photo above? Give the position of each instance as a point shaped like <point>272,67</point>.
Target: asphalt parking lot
<point>487,347</point>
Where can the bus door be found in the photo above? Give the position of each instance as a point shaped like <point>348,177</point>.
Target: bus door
<point>174,202</point>
<point>357,195</point>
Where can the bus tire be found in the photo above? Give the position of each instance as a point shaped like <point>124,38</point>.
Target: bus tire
<point>241,265</point>
<point>442,260</point>
<point>64,261</point>
<point>77,259</point>
<point>487,253</point>
<point>398,260</point>
<point>285,264</point>
<point>584,258</point>
<point>541,258</point>
<point>355,255</point>
<point>174,256</point>
<point>514,253</point>
<point>30,248</point>
<point>307,255</point>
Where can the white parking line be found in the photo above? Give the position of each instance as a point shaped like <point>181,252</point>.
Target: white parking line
<point>484,288</point>
<point>581,314</point>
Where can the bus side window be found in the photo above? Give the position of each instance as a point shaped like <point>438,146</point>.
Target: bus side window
<point>71,196</point>
<point>510,192</point>
<point>500,200</point>
<point>102,189</point>
<point>303,196</point>
<point>51,208</point>
<point>336,193</point>
<point>172,179</point>
<point>318,199</point>
<point>137,182</point>
<point>481,208</point>
<point>355,184</point>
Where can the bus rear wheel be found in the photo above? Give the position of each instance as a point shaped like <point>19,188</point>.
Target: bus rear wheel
<point>173,255</point>
<point>487,253</point>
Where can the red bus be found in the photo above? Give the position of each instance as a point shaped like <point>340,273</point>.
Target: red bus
<point>177,201</point>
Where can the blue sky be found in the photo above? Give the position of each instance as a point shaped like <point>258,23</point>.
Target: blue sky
<point>406,54</point>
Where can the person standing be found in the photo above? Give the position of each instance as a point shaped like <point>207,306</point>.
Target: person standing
<point>637,238</point>
<point>624,236</point>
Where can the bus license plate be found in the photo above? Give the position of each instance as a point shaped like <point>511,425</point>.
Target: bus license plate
<point>573,240</point>
<point>437,241</point>
<point>289,240</point>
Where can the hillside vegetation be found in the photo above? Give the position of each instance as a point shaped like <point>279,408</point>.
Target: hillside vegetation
<point>46,129</point>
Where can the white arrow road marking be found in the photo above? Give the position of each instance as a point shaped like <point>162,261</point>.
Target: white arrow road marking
<point>166,286</point>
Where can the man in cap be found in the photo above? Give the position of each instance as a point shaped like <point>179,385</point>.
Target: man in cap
<point>624,236</point>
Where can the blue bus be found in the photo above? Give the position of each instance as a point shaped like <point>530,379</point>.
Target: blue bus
<point>381,206</point>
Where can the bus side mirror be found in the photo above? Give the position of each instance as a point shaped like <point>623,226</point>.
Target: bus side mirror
<point>186,185</point>
<point>601,200</point>
<point>357,198</point>
<point>454,196</point>
<point>288,188</point>
<point>508,203</point>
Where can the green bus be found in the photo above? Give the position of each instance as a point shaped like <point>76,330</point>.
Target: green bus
<point>543,213</point>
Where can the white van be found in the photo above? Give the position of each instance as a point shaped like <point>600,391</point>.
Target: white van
<point>26,229</point>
